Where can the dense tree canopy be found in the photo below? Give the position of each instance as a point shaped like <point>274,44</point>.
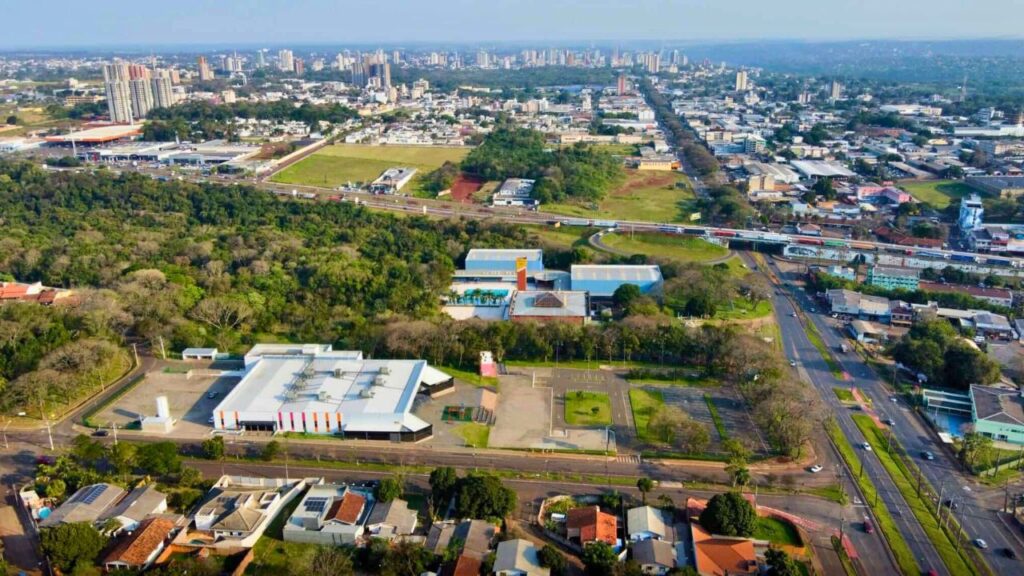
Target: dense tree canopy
<point>729,514</point>
<point>580,171</point>
<point>936,350</point>
<point>69,545</point>
<point>203,120</point>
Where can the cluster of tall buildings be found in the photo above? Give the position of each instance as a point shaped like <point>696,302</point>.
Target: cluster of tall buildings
<point>133,90</point>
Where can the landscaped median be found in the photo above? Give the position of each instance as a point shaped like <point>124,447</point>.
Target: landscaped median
<point>815,337</point>
<point>922,506</point>
<point>900,550</point>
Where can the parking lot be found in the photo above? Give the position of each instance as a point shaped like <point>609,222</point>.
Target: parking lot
<point>734,416</point>
<point>191,401</point>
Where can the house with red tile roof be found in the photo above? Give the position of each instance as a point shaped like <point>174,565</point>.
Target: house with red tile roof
<point>722,555</point>
<point>137,550</point>
<point>589,524</point>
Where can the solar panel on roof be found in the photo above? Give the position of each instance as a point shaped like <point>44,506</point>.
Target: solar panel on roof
<point>93,493</point>
<point>316,504</point>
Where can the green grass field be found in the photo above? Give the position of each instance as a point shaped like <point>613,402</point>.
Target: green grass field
<point>643,404</point>
<point>922,507</point>
<point>648,196</point>
<point>844,394</point>
<point>564,237</point>
<point>777,532</point>
<point>340,164</point>
<point>471,378</point>
<point>677,248</point>
<point>743,309</point>
<point>937,193</point>
<point>587,409</point>
<point>476,435</point>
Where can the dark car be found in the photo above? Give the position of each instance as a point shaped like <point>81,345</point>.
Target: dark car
<point>927,455</point>
<point>868,526</point>
<point>950,504</point>
<point>1008,553</point>
<point>101,433</point>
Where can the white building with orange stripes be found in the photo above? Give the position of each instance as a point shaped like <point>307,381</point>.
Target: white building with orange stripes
<point>313,389</point>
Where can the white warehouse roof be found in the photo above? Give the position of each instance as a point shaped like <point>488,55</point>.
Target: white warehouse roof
<point>312,388</point>
<point>504,254</point>
<point>632,273</point>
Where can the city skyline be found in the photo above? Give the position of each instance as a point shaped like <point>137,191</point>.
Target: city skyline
<point>192,22</point>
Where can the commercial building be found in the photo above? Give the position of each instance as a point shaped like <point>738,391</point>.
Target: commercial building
<point>313,389</point>
<point>971,213</point>
<point>549,306</point>
<point>998,413</point>
<point>893,278</point>
<point>97,135</point>
<point>741,81</point>
<point>601,281</point>
<point>998,186</point>
<point>205,71</point>
<point>857,305</point>
<point>504,260</point>
<point>1000,238</point>
<point>515,192</point>
<point>392,180</point>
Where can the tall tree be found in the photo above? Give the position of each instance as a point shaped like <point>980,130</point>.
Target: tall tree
<point>729,514</point>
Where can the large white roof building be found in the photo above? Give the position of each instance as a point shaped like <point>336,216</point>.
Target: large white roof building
<point>313,389</point>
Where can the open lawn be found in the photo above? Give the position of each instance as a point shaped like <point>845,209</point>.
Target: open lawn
<point>564,237</point>
<point>649,196</point>
<point>644,403</point>
<point>844,394</point>
<point>587,408</point>
<point>678,248</point>
<point>476,435</point>
<point>471,378</point>
<point>743,309</point>
<point>937,193</point>
<point>777,532</point>
<point>340,164</point>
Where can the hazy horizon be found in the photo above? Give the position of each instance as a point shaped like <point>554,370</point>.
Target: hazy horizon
<point>259,23</point>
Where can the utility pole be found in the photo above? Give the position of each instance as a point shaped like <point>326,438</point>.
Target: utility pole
<point>135,350</point>
<point>114,425</point>
<point>163,352</point>
<point>938,505</point>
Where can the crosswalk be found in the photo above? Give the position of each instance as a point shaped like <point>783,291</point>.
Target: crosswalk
<point>629,458</point>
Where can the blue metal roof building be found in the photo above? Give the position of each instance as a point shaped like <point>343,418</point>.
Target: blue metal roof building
<point>602,280</point>
<point>504,260</point>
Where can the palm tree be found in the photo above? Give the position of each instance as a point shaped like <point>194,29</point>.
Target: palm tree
<point>644,485</point>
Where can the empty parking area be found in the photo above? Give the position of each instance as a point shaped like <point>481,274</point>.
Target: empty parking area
<point>191,401</point>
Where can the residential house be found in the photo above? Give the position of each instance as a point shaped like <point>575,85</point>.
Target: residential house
<point>136,550</point>
<point>237,510</point>
<point>589,524</point>
<point>518,558</point>
<point>141,503</point>
<point>86,505</point>
<point>722,555</point>
<point>391,520</point>
<point>655,557</point>
<point>474,537</point>
<point>648,522</point>
<point>462,566</point>
<point>329,514</point>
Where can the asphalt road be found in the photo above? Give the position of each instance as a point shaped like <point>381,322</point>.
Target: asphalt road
<point>977,515</point>
<point>813,368</point>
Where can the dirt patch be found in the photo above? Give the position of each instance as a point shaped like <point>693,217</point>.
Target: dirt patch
<point>464,187</point>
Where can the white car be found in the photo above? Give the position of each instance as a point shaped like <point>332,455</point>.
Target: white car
<point>816,468</point>
<point>981,544</point>
<point>865,446</point>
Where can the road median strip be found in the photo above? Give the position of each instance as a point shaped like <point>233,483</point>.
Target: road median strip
<point>900,550</point>
<point>959,560</point>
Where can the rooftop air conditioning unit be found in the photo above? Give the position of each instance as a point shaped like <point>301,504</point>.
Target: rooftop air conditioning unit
<point>385,370</point>
<point>338,372</point>
<point>366,393</point>
<point>379,380</point>
<point>323,396</point>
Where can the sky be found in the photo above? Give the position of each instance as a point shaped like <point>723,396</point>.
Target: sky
<point>150,23</point>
